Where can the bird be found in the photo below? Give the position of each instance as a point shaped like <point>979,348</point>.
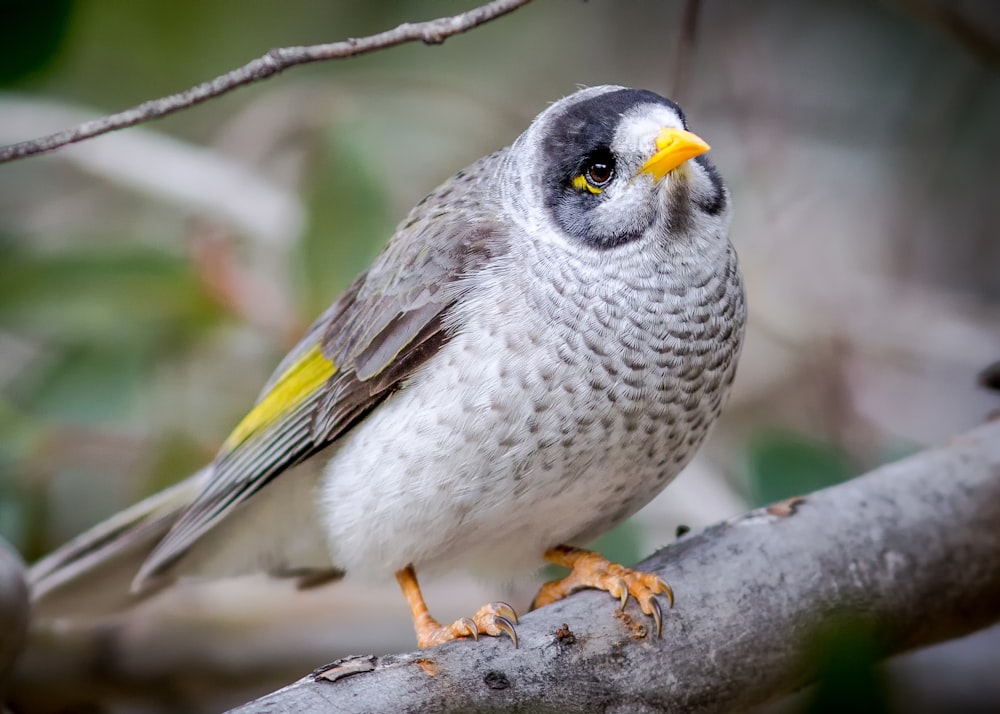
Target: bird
<point>542,345</point>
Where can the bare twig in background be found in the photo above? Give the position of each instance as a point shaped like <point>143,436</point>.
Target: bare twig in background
<point>685,48</point>
<point>974,25</point>
<point>990,376</point>
<point>13,609</point>
<point>912,549</point>
<point>275,61</point>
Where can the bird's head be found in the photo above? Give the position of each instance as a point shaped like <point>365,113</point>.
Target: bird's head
<point>609,165</point>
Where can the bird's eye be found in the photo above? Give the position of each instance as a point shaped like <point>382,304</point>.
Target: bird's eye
<point>597,173</point>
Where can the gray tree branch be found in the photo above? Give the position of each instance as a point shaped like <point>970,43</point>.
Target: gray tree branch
<point>14,609</point>
<point>913,549</point>
<point>431,32</point>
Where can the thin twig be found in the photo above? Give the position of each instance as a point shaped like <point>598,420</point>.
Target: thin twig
<point>431,32</point>
<point>685,48</point>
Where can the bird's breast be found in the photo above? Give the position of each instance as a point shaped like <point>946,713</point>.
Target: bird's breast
<point>559,406</point>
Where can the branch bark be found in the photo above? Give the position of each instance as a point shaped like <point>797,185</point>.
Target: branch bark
<point>431,32</point>
<point>912,548</point>
<point>14,609</point>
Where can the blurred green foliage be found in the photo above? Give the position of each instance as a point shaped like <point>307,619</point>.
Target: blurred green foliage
<point>97,320</point>
<point>105,316</point>
<point>783,464</point>
<point>846,655</point>
<point>345,199</point>
<point>31,33</point>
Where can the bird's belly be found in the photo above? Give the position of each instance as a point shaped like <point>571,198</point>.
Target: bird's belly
<point>486,460</point>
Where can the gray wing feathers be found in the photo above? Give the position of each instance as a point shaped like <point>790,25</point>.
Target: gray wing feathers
<point>384,326</point>
<point>237,475</point>
<point>385,345</point>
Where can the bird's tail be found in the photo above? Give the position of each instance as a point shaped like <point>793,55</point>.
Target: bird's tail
<point>92,574</point>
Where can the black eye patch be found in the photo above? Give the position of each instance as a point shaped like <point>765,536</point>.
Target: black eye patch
<point>578,162</point>
<point>714,203</point>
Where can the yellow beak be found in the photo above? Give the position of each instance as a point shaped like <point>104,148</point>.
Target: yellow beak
<point>673,148</point>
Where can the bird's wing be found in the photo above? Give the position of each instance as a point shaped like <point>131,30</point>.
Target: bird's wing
<point>385,325</point>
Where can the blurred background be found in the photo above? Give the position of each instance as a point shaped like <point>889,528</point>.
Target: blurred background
<point>150,280</point>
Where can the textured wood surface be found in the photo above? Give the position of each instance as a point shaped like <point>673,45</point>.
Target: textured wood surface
<point>913,548</point>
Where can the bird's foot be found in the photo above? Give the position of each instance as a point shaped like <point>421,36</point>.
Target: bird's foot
<point>493,619</point>
<point>591,570</point>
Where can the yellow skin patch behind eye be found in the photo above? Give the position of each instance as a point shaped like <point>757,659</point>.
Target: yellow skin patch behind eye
<point>306,375</point>
<point>581,183</point>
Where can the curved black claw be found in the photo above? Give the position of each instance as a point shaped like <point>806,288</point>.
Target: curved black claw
<point>504,619</point>
<point>668,591</point>
<point>622,586</point>
<point>471,626</point>
<point>506,611</point>
<point>658,617</point>
<point>507,627</point>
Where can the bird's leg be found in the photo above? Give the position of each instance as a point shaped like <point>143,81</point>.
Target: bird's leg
<point>494,619</point>
<point>591,570</point>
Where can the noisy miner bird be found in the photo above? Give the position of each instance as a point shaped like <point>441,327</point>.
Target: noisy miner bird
<point>541,347</point>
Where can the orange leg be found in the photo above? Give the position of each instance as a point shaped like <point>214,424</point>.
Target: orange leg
<point>493,619</point>
<point>591,570</point>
